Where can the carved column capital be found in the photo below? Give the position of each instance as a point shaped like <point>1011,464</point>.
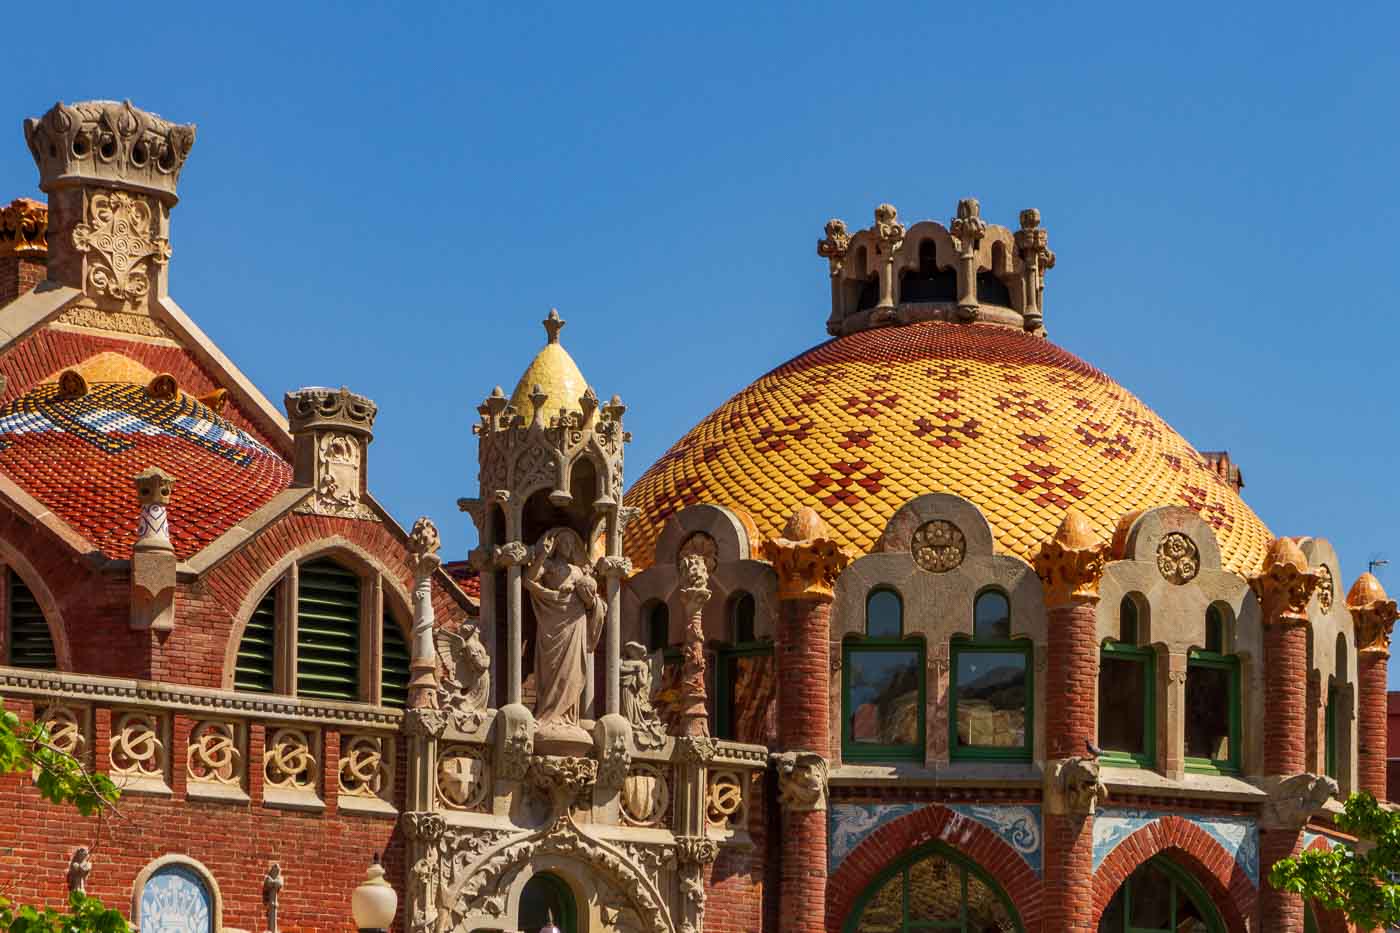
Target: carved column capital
<point>1070,565</point>
<point>611,568</point>
<point>1373,614</point>
<point>1285,585</point>
<point>511,554</point>
<point>696,850</point>
<point>807,558</point>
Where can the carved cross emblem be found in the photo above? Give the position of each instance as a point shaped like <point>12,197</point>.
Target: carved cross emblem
<point>119,236</point>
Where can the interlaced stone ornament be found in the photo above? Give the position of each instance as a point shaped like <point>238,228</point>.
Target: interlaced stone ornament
<point>939,546</point>
<point>120,235</point>
<point>1178,559</point>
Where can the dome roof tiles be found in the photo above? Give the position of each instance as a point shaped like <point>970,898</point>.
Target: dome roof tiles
<point>857,426</point>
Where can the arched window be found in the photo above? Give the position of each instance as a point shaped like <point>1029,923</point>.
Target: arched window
<point>1127,691</point>
<point>934,888</point>
<point>547,899</point>
<point>1213,699</point>
<point>1160,897</point>
<point>1334,740</point>
<point>174,893</point>
<point>990,689</point>
<point>745,685</point>
<point>658,619</point>
<point>991,290</point>
<point>29,642</point>
<point>928,282</point>
<point>882,686</point>
<point>310,636</point>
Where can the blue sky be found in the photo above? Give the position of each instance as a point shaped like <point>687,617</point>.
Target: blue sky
<point>394,201</point>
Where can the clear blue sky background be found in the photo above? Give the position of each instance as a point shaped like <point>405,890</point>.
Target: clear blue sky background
<point>394,201</point>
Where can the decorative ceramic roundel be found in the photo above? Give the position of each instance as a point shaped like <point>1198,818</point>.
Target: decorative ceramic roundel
<point>1326,590</point>
<point>939,546</point>
<point>1177,558</point>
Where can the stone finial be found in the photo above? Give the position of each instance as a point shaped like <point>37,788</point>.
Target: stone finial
<point>153,555</point>
<point>1070,565</point>
<point>109,143</point>
<point>1033,246</point>
<point>272,894</point>
<point>553,324</point>
<point>1373,614</point>
<point>806,557</point>
<point>424,542</point>
<point>79,867</point>
<point>153,488</point>
<point>833,248</point>
<point>317,407</point>
<point>888,229</point>
<point>968,227</point>
<point>24,227</point>
<point>1285,584</point>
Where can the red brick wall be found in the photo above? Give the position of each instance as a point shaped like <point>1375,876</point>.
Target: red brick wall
<point>1071,677</point>
<point>18,277</point>
<point>1371,722</point>
<point>1189,846</point>
<point>323,857</point>
<point>933,823</point>
<point>735,882</point>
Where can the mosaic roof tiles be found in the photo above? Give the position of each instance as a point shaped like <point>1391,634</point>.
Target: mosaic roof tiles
<point>78,454</point>
<point>859,425</point>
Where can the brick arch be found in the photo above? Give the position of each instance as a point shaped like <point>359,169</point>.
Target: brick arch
<point>1197,852</point>
<point>934,823</point>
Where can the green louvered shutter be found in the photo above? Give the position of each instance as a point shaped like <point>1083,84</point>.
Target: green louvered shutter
<point>257,652</point>
<point>393,677</point>
<point>328,632</point>
<point>30,643</point>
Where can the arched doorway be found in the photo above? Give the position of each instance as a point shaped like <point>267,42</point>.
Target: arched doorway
<point>547,899</point>
<point>1160,897</point>
<point>933,888</point>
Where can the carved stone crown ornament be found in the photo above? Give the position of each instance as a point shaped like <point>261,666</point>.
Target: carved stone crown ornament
<point>1070,565</point>
<point>24,227</point>
<point>320,408</point>
<point>1286,583</point>
<point>332,428</point>
<point>105,141</point>
<point>1326,589</point>
<point>806,557</point>
<point>1373,613</point>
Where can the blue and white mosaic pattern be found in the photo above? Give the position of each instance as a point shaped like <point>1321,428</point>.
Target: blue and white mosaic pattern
<point>850,823</point>
<point>1017,826</point>
<point>1238,836</point>
<point>175,900</point>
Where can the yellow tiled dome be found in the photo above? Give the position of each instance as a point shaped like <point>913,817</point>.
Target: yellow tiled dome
<point>859,425</point>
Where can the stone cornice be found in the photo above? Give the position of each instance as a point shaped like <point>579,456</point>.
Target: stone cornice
<point>196,701</point>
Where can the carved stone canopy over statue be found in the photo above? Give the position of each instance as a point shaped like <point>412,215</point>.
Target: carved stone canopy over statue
<point>569,620</point>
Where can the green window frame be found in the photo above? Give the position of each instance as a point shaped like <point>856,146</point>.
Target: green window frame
<point>1180,884</point>
<point>856,646</point>
<point>1210,660</point>
<point>1330,733</point>
<point>30,643</point>
<point>961,646</point>
<point>724,686</point>
<point>902,869</point>
<point>1146,657</point>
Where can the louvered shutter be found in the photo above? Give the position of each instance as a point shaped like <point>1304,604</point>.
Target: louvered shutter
<point>31,645</point>
<point>328,632</point>
<point>254,670</point>
<point>393,680</point>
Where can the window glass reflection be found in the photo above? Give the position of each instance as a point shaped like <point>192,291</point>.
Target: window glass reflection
<point>991,699</point>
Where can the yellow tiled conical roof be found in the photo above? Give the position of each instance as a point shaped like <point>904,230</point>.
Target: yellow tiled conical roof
<point>859,425</point>
<point>554,371</point>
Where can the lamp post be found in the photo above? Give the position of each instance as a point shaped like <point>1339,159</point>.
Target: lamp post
<point>374,902</point>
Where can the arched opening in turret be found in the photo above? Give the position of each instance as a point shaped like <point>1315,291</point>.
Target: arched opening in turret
<point>864,286</point>
<point>583,484</point>
<point>928,282</point>
<point>991,290</point>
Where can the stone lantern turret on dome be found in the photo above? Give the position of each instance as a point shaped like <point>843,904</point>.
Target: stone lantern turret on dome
<point>550,502</point>
<point>967,271</point>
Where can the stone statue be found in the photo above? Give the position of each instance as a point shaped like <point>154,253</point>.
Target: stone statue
<point>801,780</point>
<point>271,892</point>
<point>569,620</point>
<point>79,867</point>
<point>467,669</point>
<point>647,729</point>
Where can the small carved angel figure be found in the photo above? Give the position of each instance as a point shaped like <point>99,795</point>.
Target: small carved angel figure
<point>271,893</point>
<point>79,867</point>
<point>647,729</point>
<point>467,667</point>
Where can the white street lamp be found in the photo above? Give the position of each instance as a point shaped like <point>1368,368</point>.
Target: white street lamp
<point>374,902</point>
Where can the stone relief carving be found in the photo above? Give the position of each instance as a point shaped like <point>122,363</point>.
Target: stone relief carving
<point>120,235</point>
<point>463,777</point>
<point>79,867</point>
<point>290,761</point>
<point>1078,783</point>
<point>108,140</point>
<point>724,799</point>
<point>801,780</point>
<point>569,617</point>
<point>565,778</point>
<point>615,756</point>
<point>939,546</point>
<point>338,476</point>
<point>645,795</point>
<point>364,766</point>
<point>1295,800</point>
<point>136,746</point>
<point>517,746</point>
<point>1326,588</point>
<point>691,716</point>
<point>120,322</point>
<point>702,546</point>
<point>696,749</point>
<point>1178,559</point>
<point>648,732</point>
<point>213,756</point>
<point>466,683</point>
<point>64,724</point>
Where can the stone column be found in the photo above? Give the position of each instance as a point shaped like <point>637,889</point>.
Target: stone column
<point>807,561</point>
<point>967,229</point>
<point>1171,729</point>
<point>1374,616</point>
<point>512,556</point>
<point>1283,589</point>
<point>889,236</point>
<point>153,556</point>
<point>614,570</point>
<point>833,249</point>
<point>692,717</point>
<point>423,561</point>
<point>1070,566</point>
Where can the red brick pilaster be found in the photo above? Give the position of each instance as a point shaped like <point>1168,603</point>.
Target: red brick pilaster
<point>1373,615</point>
<point>1070,566</point>
<point>1285,697</point>
<point>807,561</point>
<point>1278,910</point>
<point>23,247</point>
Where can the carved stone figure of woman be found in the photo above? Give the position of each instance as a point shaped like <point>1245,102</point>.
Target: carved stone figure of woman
<point>569,620</point>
